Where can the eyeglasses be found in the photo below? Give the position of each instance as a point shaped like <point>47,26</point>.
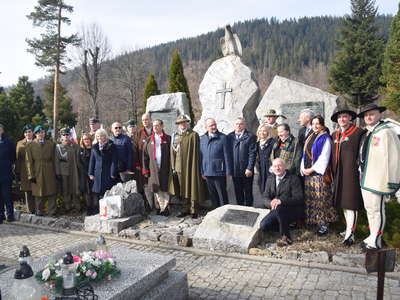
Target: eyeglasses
<point>117,127</point>
<point>65,134</point>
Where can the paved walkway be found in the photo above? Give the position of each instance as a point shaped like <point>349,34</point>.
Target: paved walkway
<point>215,276</point>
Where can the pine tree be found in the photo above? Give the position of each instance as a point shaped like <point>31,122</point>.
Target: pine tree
<point>177,81</point>
<point>8,117</point>
<point>150,89</point>
<point>50,49</point>
<point>67,117</point>
<point>356,69</point>
<point>391,67</point>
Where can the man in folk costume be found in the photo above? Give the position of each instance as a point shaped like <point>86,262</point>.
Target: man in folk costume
<point>142,135</point>
<point>347,191</point>
<point>67,164</point>
<point>186,181</point>
<point>380,171</point>
<point>41,171</point>
<point>157,166</point>
<point>20,168</point>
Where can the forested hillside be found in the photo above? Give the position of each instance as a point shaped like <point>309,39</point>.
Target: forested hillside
<point>299,49</point>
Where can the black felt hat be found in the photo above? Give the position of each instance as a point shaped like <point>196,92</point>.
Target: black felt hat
<point>370,107</point>
<point>343,111</point>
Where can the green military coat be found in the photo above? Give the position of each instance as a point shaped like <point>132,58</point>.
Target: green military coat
<point>20,165</point>
<point>67,163</point>
<point>40,165</point>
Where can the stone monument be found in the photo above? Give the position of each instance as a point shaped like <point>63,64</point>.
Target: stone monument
<point>289,97</point>
<point>121,207</point>
<point>167,107</point>
<point>230,228</point>
<point>229,89</point>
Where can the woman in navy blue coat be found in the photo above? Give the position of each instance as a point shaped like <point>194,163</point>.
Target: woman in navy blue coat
<point>103,164</point>
<point>263,161</point>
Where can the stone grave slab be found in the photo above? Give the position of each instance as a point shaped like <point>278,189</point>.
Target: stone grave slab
<point>289,97</point>
<point>114,226</point>
<point>143,275</point>
<point>167,107</point>
<point>230,228</point>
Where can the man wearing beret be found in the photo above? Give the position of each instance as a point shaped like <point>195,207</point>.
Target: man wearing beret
<point>20,168</point>
<point>347,192</point>
<point>67,164</point>
<point>41,171</point>
<point>186,181</point>
<point>380,171</point>
<point>94,124</point>
<point>7,159</point>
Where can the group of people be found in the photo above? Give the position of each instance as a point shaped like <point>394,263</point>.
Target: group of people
<point>305,177</point>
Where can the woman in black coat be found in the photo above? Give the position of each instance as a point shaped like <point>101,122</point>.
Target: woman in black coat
<point>103,164</point>
<point>264,148</point>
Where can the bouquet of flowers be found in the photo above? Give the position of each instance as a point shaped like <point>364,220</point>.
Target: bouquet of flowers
<point>89,266</point>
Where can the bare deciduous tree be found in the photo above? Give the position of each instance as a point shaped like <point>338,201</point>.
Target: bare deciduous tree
<point>93,53</point>
<point>129,71</point>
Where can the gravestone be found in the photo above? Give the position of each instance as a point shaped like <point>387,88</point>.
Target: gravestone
<point>230,228</point>
<point>143,275</point>
<point>167,107</point>
<point>289,97</point>
<point>229,89</point>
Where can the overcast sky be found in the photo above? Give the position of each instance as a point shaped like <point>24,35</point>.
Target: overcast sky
<point>137,23</point>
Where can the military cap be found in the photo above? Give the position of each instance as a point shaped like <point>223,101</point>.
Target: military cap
<point>27,127</point>
<point>93,121</point>
<point>38,128</point>
<point>131,123</point>
<point>181,119</point>
<point>65,131</point>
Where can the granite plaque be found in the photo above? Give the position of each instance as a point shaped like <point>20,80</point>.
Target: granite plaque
<point>240,217</point>
<point>168,117</point>
<point>292,111</point>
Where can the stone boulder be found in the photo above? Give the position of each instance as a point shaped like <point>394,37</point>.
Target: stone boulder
<point>289,97</point>
<point>228,90</point>
<point>167,107</point>
<point>230,228</point>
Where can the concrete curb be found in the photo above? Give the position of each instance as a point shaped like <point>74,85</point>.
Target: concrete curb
<point>203,252</point>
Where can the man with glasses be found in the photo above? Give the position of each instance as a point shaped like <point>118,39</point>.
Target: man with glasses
<point>123,146</point>
<point>67,164</point>
<point>7,159</point>
<point>40,156</point>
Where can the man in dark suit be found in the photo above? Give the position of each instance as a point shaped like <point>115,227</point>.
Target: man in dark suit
<point>284,196</point>
<point>305,131</point>
<point>244,148</point>
<point>215,162</point>
<point>7,160</point>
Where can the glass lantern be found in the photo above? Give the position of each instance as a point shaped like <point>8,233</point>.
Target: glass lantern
<point>25,255</point>
<point>68,275</point>
<point>101,245</point>
<point>25,286</point>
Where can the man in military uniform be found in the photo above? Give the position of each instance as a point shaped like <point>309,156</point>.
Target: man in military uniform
<point>94,124</point>
<point>186,181</point>
<point>270,120</point>
<point>41,171</point>
<point>67,165</point>
<point>20,168</point>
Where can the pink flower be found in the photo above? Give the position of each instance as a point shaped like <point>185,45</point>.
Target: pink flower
<point>77,259</point>
<point>88,273</point>
<point>108,277</point>
<point>94,275</point>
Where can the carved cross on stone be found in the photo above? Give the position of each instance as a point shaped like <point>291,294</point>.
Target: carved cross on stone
<point>220,101</point>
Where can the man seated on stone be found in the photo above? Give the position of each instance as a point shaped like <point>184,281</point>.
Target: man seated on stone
<point>284,196</point>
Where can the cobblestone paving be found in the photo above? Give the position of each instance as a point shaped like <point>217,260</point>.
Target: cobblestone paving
<point>217,277</point>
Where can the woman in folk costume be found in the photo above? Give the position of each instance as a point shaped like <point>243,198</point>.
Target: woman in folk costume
<point>264,148</point>
<point>347,191</point>
<point>318,177</point>
<point>380,171</point>
<point>157,166</point>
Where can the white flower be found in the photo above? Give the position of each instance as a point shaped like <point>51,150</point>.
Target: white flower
<point>46,274</point>
<point>58,273</point>
<point>111,261</point>
<point>94,275</point>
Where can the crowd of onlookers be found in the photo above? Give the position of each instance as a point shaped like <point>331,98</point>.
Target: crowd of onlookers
<point>305,177</point>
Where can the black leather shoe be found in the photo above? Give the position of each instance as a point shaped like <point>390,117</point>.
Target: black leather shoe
<point>194,216</point>
<point>1,221</point>
<point>369,248</point>
<point>165,213</point>
<point>349,241</point>
<point>10,219</point>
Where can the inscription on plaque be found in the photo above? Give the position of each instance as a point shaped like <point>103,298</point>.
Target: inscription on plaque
<point>240,217</point>
<point>292,111</point>
<point>168,117</point>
